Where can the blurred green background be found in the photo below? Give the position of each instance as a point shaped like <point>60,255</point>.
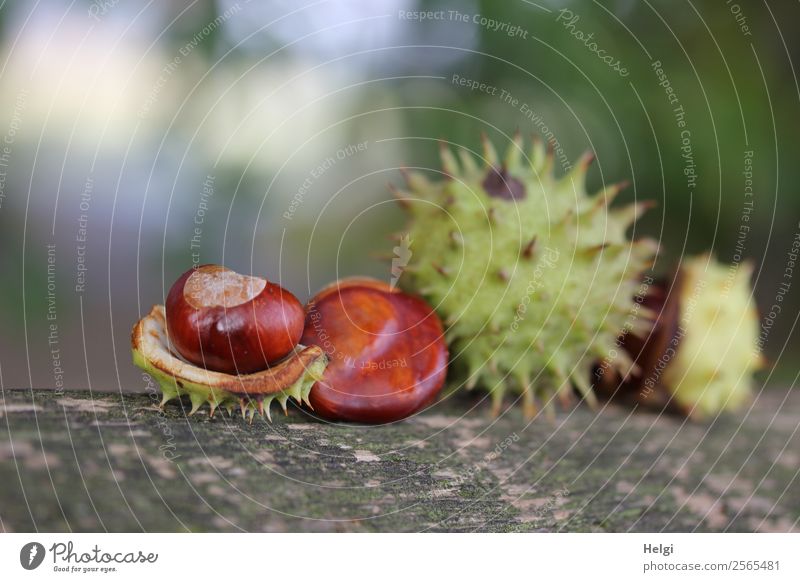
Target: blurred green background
<point>140,138</point>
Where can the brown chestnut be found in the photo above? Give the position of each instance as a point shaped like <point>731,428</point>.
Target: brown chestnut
<point>388,357</point>
<point>232,323</point>
<point>699,353</point>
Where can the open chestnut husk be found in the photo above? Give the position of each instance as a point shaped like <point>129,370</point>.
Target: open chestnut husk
<point>292,377</point>
<point>699,356</point>
<point>227,322</point>
<point>388,357</point>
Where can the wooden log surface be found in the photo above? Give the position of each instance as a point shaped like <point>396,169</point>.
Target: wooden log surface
<point>75,461</point>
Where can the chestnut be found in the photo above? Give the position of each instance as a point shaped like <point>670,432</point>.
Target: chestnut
<point>387,354</point>
<point>227,322</point>
<point>293,377</point>
<point>645,349</point>
<point>699,353</point>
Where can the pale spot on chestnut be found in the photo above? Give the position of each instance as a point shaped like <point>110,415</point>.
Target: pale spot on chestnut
<point>212,285</point>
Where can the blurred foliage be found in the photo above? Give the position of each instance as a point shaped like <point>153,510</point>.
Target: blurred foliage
<point>712,68</point>
<point>258,108</point>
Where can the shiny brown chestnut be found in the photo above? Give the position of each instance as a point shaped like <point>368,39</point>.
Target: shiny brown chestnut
<point>645,349</point>
<point>227,322</point>
<point>388,357</point>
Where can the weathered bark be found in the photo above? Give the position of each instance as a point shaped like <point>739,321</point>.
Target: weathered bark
<point>76,461</point>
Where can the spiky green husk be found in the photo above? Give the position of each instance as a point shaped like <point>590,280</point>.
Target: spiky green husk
<point>216,398</point>
<point>176,378</point>
<point>712,369</point>
<point>532,290</point>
